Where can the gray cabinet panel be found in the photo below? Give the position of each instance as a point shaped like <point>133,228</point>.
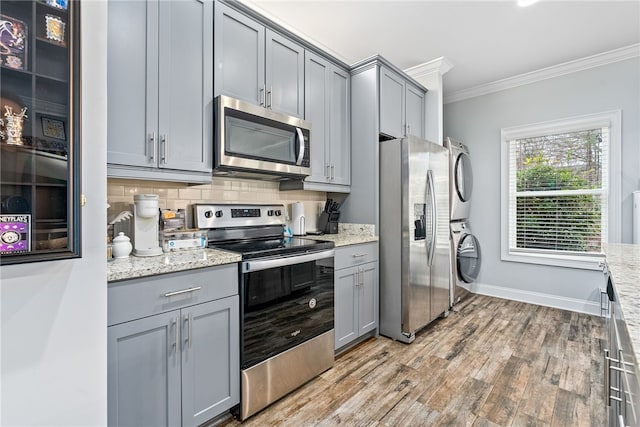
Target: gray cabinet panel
<point>346,314</point>
<point>392,99</point>
<point>186,85</point>
<point>368,298</point>
<point>284,74</point>
<point>239,56</point>
<point>144,372</point>
<point>317,112</point>
<point>415,111</point>
<point>210,362</point>
<point>127,77</point>
<point>340,120</point>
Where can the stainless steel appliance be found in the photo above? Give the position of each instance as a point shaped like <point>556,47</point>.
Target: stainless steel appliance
<point>461,179</point>
<point>414,236</point>
<point>465,259</point>
<point>255,142</point>
<point>286,290</point>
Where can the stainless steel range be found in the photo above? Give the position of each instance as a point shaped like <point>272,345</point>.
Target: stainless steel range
<point>287,293</point>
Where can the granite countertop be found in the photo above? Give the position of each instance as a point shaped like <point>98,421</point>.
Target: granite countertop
<point>133,267</point>
<point>623,261</point>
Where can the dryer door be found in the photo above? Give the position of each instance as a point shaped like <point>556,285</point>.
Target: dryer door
<point>463,177</point>
<point>468,258</point>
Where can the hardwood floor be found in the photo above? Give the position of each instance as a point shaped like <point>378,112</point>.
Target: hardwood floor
<point>491,362</point>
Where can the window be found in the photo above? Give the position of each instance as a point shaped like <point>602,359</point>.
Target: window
<point>560,203</point>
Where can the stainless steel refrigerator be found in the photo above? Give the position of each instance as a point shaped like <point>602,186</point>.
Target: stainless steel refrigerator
<point>414,236</point>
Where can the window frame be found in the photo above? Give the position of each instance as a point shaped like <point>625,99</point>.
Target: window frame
<point>612,120</point>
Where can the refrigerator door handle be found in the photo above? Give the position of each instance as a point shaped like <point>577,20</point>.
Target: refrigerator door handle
<point>432,243</point>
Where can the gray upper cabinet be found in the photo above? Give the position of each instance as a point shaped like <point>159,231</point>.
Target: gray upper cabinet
<point>256,64</point>
<point>402,106</point>
<point>160,82</point>
<point>327,106</point>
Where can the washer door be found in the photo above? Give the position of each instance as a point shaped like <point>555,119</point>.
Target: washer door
<point>468,259</point>
<point>463,177</point>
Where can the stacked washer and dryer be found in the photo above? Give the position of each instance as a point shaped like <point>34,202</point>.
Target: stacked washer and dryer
<point>465,249</point>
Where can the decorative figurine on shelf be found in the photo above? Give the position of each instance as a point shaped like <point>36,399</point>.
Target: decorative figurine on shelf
<point>13,125</point>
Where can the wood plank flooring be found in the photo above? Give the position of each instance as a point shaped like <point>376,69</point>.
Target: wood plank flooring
<point>491,362</point>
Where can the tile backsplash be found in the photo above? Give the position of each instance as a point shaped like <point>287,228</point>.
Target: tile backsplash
<point>175,196</point>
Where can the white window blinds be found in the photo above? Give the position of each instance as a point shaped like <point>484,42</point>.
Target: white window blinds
<point>557,191</point>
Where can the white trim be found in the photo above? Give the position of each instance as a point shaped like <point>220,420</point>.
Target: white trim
<point>538,298</point>
<point>441,65</point>
<point>616,55</point>
<point>612,119</point>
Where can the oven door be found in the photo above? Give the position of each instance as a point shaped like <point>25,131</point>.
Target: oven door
<point>286,301</point>
<point>254,139</point>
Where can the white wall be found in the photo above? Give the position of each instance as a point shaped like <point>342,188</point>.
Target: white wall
<point>477,122</point>
<point>53,314</point>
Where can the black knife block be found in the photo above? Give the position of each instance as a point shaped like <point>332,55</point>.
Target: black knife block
<point>328,222</point>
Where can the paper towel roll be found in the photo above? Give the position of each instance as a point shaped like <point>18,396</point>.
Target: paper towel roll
<point>297,219</point>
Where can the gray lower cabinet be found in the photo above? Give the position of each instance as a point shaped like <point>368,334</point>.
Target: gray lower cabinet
<point>180,366</point>
<point>356,294</point>
<point>160,82</point>
<point>622,387</point>
<point>402,106</point>
<point>327,107</point>
<point>257,64</point>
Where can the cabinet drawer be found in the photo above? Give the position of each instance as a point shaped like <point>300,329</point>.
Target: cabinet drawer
<point>137,298</point>
<point>348,256</point>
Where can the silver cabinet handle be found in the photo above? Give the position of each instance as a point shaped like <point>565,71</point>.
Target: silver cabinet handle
<point>357,278</point>
<point>261,95</point>
<point>190,328</point>
<point>328,173</point>
<point>174,325</point>
<point>164,141</point>
<point>408,128</point>
<point>333,169</point>
<point>301,146</point>
<point>152,141</point>
<point>361,277</point>
<point>183,291</point>
<point>187,323</point>
<point>359,255</point>
<point>270,97</point>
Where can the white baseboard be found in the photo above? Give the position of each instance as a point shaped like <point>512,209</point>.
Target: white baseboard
<point>547,300</point>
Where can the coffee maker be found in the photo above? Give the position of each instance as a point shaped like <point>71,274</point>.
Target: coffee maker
<point>145,225</point>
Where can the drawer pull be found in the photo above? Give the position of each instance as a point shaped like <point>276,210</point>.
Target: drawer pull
<point>184,291</point>
<point>359,255</point>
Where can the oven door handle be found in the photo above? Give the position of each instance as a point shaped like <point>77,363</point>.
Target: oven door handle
<point>265,264</point>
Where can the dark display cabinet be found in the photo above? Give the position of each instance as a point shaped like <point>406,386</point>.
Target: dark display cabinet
<point>39,130</point>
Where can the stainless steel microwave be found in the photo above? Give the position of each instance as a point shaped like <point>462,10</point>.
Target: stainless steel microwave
<point>255,142</point>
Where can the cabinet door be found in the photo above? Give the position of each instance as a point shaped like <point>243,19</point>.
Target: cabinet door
<point>340,131</point>
<point>346,315</point>
<point>186,85</point>
<point>284,75</point>
<point>415,111</point>
<point>316,110</point>
<point>368,298</point>
<point>143,372</point>
<point>210,360</point>
<point>392,103</point>
<point>238,56</point>
<point>132,82</point>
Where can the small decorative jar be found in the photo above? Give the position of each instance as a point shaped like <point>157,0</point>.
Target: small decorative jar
<point>121,246</point>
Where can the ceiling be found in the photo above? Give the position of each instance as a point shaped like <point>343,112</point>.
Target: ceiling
<point>484,40</point>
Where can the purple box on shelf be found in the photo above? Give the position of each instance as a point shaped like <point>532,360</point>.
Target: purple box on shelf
<point>15,231</point>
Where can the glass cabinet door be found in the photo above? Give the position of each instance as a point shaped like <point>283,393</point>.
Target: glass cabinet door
<point>39,130</point>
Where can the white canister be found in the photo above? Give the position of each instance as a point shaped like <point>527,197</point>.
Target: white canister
<point>121,246</point>
<point>298,225</point>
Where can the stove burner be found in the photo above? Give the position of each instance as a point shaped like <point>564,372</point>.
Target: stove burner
<point>269,247</point>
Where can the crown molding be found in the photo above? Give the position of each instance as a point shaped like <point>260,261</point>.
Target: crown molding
<point>440,65</point>
<point>574,66</point>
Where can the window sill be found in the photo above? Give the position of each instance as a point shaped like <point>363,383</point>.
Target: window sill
<point>591,262</point>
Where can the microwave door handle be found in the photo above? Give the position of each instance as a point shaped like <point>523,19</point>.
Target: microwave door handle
<point>300,146</point>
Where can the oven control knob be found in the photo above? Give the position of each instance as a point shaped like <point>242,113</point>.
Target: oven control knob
<point>218,214</point>
<point>278,212</point>
<point>270,212</point>
<point>208,214</point>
